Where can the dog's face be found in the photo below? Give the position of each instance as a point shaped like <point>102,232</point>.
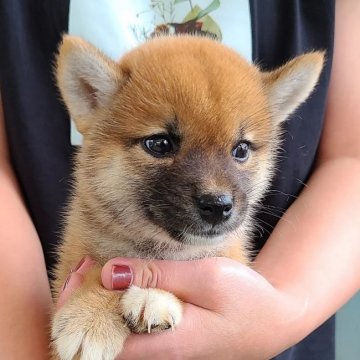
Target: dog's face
<point>180,136</point>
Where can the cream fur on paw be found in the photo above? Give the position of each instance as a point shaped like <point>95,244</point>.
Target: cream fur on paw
<point>89,327</point>
<point>150,310</point>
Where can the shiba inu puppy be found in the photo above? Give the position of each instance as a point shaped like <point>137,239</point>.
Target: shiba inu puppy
<point>180,142</point>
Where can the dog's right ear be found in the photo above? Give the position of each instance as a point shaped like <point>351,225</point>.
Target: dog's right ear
<point>291,84</point>
<point>87,79</point>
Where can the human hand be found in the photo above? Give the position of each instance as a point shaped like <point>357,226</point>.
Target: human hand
<point>74,279</point>
<point>230,311</point>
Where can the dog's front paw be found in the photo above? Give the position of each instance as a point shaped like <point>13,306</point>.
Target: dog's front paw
<point>89,327</point>
<point>150,310</point>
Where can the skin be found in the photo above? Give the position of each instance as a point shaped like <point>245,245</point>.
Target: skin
<point>238,309</point>
<point>25,295</point>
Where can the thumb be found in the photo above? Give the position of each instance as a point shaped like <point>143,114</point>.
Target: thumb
<point>191,281</point>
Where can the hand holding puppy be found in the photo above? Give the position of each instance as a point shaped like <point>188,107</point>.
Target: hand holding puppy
<point>229,310</point>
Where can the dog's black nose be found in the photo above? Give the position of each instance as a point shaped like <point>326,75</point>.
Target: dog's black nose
<point>215,209</point>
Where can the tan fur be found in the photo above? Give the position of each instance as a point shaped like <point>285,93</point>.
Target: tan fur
<point>216,98</point>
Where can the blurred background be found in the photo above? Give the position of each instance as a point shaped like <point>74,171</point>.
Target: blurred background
<point>348,331</point>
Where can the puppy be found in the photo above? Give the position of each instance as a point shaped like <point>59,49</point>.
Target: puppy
<point>180,142</point>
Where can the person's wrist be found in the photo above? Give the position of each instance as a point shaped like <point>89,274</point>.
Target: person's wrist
<point>288,324</point>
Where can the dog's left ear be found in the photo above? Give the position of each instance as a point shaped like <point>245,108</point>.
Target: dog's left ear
<point>291,84</point>
<point>87,79</point>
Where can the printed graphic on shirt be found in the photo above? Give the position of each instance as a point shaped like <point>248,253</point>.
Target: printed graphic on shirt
<point>116,26</point>
<point>197,21</point>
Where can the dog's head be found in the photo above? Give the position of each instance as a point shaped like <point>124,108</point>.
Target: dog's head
<point>180,135</point>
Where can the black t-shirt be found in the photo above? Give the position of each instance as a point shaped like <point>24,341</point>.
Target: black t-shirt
<point>38,126</point>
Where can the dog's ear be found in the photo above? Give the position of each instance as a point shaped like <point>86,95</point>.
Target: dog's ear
<point>291,84</point>
<point>87,79</point>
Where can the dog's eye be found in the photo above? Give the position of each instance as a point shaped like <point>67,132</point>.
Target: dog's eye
<point>241,151</point>
<point>161,145</point>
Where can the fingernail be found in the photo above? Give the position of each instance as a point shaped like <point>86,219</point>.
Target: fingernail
<point>67,281</point>
<point>78,266</point>
<point>121,277</point>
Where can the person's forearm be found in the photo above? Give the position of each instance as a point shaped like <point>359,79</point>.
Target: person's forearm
<point>314,251</point>
<point>25,294</point>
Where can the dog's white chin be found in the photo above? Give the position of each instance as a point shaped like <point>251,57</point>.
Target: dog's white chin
<point>197,240</point>
<point>191,246</point>
<point>191,240</point>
